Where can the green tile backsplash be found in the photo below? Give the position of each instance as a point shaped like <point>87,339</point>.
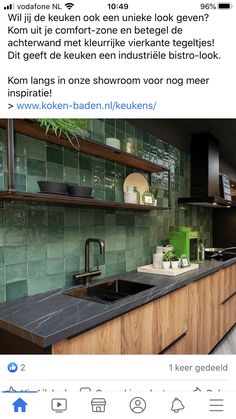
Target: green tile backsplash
<point>42,246</point>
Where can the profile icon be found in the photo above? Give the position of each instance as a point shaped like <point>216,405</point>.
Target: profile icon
<point>137,405</point>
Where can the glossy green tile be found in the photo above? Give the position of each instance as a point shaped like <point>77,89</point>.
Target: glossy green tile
<point>71,175</point>
<point>98,130</point>
<point>55,218</point>
<point>55,250</point>
<point>32,183</point>
<point>55,281</point>
<point>55,234</point>
<point>13,254</point>
<point>110,131</point>
<point>110,195</point>
<point>20,145</point>
<point>71,217</point>
<point>55,265</point>
<point>36,252</point>
<point>86,178</point>
<point>72,264</point>
<point>110,258</point>
<point>72,248</point>
<point>37,285</point>
<point>111,269</point>
<point>2,276</point>
<point>15,235</point>
<point>36,149</point>
<point>36,217</point>
<point>85,162</point>
<point>2,294</point>
<point>37,235</point>
<point>2,236</point>
<point>20,165</point>
<point>16,272</point>
<point>16,290</point>
<point>37,270</point>
<point>99,218</point>
<point>54,155</point>
<point>99,192</point>
<point>71,234</point>
<point>15,217</point>
<point>36,167</point>
<point>55,172</point>
<point>71,159</point>
<point>20,182</point>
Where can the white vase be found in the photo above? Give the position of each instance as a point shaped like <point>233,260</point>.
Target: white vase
<point>166,265</point>
<point>174,264</point>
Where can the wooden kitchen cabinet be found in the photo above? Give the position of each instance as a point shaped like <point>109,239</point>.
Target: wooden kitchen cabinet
<point>151,329</point>
<point>227,299</point>
<point>204,313</point>
<point>104,339</point>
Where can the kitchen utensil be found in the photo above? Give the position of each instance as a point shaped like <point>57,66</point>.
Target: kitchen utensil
<point>53,187</point>
<point>82,191</point>
<point>136,180</point>
<point>214,252</point>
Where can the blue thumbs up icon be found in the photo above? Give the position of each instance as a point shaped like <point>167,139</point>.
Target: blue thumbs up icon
<point>12,367</point>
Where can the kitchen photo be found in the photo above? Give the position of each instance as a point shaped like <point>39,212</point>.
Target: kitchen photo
<point>117,236</point>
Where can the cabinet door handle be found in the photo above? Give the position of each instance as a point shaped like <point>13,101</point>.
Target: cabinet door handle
<point>228,298</point>
<point>167,348</point>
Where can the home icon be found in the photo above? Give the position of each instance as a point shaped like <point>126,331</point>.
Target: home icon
<point>98,405</point>
<point>19,406</point>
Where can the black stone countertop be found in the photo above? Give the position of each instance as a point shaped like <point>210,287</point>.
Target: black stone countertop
<point>50,317</point>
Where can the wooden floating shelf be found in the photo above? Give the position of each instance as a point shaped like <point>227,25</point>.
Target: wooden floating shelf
<point>71,200</point>
<point>91,147</point>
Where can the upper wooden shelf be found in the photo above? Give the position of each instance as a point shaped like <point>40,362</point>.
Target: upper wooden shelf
<point>94,148</point>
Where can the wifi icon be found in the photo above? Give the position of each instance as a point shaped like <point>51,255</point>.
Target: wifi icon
<point>69,5</point>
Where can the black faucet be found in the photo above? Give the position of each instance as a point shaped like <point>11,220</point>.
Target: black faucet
<point>87,274</point>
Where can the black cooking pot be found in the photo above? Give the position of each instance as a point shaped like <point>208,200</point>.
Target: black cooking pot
<point>215,252</point>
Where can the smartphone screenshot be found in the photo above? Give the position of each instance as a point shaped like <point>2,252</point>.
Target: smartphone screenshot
<point>117,209</point>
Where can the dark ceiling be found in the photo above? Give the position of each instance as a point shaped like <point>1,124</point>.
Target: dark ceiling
<point>178,132</point>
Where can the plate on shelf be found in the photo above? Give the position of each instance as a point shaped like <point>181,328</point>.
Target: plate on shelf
<point>138,180</point>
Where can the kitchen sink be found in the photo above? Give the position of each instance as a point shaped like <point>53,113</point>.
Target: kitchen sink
<point>108,292</point>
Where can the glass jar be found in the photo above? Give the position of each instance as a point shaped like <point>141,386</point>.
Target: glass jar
<point>130,145</point>
<point>137,195</point>
<point>201,252</point>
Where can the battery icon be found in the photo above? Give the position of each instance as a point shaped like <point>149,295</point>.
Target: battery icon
<point>224,5</point>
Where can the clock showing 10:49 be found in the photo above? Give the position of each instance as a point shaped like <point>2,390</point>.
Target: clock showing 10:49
<point>122,6</point>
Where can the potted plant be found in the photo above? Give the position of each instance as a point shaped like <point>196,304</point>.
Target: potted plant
<point>166,260</point>
<point>73,129</point>
<point>174,262</point>
<point>153,190</point>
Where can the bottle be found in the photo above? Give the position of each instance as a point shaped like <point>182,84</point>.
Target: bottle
<point>137,195</point>
<point>201,252</point>
<point>158,258</point>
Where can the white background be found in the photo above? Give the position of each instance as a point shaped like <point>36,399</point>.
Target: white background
<point>212,101</point>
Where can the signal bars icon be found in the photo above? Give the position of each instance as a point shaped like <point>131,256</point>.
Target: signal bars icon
<point>69,5</point>
<point>9,7</point>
